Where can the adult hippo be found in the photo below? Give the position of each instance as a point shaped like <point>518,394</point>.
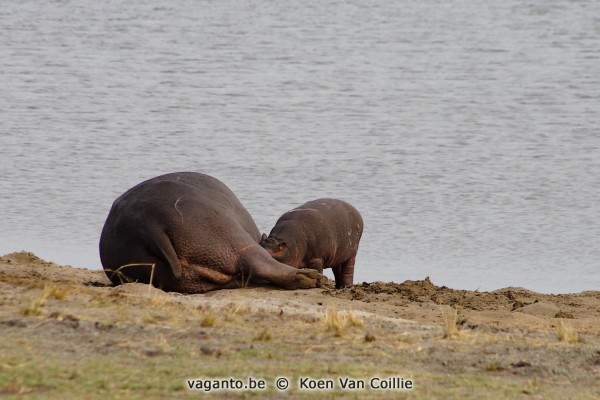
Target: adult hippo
<point>187,232</point>
<point>319,234</point>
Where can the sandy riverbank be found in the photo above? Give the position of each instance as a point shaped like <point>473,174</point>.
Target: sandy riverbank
<point>66,331</point>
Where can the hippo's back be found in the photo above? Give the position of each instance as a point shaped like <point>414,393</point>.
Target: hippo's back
<point>324,222</point>
<point>325,211</point>
<point>205,196</point>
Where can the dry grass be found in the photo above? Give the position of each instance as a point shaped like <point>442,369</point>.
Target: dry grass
<point>355,320</point>
<point>450,317</point>
<point>15,388</point>
<point>153,318</point>
<point>162,343</point>
<point>49,290</point>
<point>494,366</point>
<point>57,292</point>
<point>263,336</point>
<point>35,307</point>
<point>338,322</point>
<point>209,318</point>
<point>566,333</point>
<point>157,297</point>
<point>123,278</point>
<point>532,387</point>
<point>245,281</point>
<point>232,310</point>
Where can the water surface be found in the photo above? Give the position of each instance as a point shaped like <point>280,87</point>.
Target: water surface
<point>467,134</point>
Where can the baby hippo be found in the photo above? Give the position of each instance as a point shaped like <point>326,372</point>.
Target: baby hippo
<point>319,234</point>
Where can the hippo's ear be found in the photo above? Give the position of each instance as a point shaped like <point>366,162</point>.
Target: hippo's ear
<point>263,237</point>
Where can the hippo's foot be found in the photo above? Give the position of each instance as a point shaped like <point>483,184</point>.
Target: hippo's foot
<point>304,279</point>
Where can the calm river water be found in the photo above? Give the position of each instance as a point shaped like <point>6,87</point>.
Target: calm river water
<point>466,133</point>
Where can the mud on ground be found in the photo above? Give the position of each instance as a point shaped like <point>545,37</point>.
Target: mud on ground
<point>67,333</point>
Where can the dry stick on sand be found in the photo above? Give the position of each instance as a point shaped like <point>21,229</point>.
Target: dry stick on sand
<point>125,279</point>
<point>244,284</point>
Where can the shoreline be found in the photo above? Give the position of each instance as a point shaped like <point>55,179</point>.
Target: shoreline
<point>64,327</point>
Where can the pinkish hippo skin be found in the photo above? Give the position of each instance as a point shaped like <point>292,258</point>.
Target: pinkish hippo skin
<point>187,232</point>
<point>319,234</point>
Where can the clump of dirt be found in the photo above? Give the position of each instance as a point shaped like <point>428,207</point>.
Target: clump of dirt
<point>418,299</point>
<point>425,291</point>
<point>24,264</point>
<point>23,257</point>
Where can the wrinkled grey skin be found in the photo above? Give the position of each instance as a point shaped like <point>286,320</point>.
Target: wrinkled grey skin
<point>322,233</point>
<point>195,232</point>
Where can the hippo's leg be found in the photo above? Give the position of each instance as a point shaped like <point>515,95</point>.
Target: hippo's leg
<point>316,264</point>
<point>197,278</point>
<point>337,274</point>
<point>258,264</point>
<point>163,247</point>
<point>203,286</point>
<point>344,274</point>
<point>201,273</point>
<point>285,276</point>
